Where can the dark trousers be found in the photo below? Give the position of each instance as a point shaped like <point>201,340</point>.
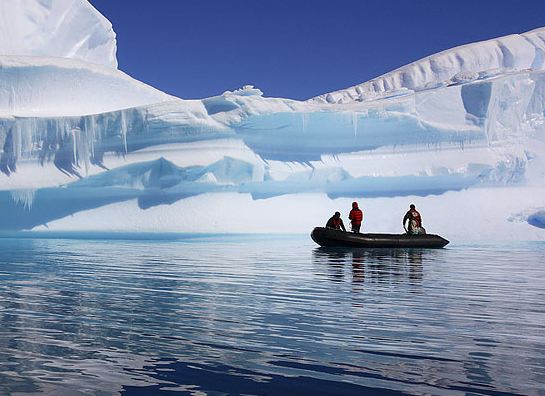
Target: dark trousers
<point>356,227</point>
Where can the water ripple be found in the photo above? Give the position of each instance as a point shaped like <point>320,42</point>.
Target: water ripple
<point>278,316</point>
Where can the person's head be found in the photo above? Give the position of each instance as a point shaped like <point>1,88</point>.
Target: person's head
<point>337,214</point>
<point>354,205</point>
<point>412,206</point>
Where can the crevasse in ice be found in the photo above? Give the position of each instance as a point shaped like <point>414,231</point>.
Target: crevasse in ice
<point>461,134</point>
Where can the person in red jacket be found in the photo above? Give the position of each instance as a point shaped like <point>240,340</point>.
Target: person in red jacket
<point>336,222</point>
<point>356,217</point>
<point>415,221</point>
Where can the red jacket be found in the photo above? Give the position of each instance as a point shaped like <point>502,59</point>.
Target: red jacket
<point>356,216</point>
<point>335,223</point>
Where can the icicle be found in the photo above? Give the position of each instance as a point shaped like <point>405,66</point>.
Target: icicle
<point>124,130</point>
<point>23,197</point>
<point>17,139</point>
<point>90,123</point>
<point>89,128</point>
<point>74,145</point>
<point>304,120</point>
<point>11,100</point>
<point>355,123</point>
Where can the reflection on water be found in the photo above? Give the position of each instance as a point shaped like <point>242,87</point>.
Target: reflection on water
<point>372,265</point>
<point>258,316</point>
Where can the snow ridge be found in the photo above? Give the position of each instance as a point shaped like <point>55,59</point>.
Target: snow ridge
<point>481,60</point>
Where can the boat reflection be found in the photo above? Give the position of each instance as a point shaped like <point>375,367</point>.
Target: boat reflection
<point>371,265</point>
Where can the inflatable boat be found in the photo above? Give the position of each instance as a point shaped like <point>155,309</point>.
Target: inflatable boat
<point>329,237</point>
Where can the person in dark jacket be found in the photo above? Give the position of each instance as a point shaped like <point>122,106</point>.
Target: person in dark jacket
<point>415,221</point>
<point>356,217</point>
<point>336,222</point>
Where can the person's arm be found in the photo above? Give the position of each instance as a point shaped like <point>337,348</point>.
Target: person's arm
<point>342,226</point>
<point>406,218</point>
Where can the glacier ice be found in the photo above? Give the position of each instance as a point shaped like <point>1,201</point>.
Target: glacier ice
<point>466,63</point>
<point>460,133</point>
<point>57,28</point>
<point>38,87</point>
<point>537,219</point>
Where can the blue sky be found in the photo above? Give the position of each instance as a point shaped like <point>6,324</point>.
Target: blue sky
<point>296,48</point>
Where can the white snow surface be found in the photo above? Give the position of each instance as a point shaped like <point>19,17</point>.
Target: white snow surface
<point>239,213</point>
<point>465,63</point>
<point>461,134</point>
<point>33,86</point>
<point>57,28</point>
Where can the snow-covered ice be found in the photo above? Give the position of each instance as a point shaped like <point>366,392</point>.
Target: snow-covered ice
<point>461,134</point>
<point>458,65</point>
<point>57,28</point>
<point>40,87</point>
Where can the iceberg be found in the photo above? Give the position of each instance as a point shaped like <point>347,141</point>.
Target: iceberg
<point>84,147</point>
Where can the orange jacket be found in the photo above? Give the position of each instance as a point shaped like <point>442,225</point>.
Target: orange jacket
<point>336,224</point>
<point>356,216</point>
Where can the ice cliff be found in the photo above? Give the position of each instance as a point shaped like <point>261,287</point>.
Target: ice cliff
<point>86,147</point>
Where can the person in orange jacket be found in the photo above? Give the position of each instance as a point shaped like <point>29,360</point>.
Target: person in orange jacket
<point>356,217</point>
<point>336,222</point>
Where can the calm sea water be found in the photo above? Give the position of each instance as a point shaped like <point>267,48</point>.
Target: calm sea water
<point>269,316</point>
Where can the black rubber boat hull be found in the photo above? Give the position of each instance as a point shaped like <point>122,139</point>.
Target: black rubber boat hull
<point>328,237</point>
